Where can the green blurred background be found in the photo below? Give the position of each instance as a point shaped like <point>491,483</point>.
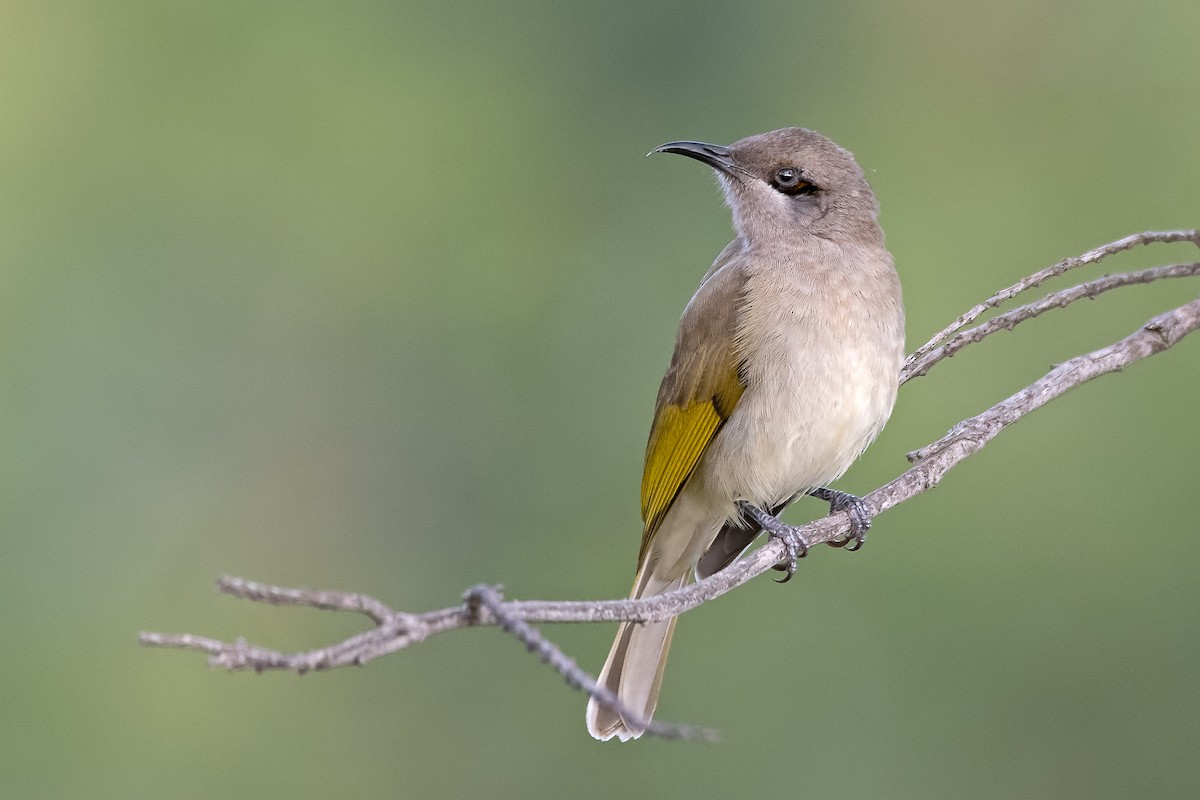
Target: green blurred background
<point>376,296</point>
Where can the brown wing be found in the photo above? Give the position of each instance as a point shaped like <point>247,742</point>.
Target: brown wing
<point>699,392</point>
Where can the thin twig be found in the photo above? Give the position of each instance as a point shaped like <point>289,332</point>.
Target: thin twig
<point>1157,335</point>
<point>326,601</point>
<point>918,365</point>
<point>1040,277</point>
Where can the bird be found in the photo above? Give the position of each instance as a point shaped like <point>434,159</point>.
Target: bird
<point>785,368</point>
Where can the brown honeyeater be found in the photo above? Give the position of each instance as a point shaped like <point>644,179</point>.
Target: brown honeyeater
<point>785,368</point>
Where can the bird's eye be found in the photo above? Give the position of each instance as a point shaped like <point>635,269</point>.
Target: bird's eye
<point>789,181</point>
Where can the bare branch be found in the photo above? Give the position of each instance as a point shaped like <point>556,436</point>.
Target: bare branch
<point>917,367</point>
<point>326,601</point>
<point>1040,277</point>
<point>1157,335</point>
<point>483,605</point>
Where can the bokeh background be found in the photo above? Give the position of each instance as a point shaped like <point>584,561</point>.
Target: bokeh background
<point>376,296</point>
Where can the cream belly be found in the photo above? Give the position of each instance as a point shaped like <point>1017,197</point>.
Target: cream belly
<point>800,429</point>
<point>820,384</point>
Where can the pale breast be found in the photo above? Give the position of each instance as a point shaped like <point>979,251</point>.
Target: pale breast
<point>822,351</point>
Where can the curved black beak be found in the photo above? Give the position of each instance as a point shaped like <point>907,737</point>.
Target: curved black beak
<point>715,155</point>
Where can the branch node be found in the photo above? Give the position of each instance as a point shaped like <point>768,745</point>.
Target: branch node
<point>479,598</point>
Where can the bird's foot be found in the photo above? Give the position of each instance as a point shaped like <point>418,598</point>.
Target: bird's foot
<point>860,517</point>
<point>793,540</point>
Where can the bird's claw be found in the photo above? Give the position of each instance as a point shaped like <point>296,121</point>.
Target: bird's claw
<point>794,543</point>
<point>796,546</point>
<point>856,507</point>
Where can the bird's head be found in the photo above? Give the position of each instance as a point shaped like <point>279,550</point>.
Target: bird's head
<point>787,182</point>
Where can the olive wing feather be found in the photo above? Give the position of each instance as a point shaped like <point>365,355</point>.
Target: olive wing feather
<point>700,391</point>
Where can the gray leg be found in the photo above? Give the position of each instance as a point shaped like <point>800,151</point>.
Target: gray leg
<point>793,540</point>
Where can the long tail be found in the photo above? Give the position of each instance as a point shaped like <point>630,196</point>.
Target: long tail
<point>634,669</point>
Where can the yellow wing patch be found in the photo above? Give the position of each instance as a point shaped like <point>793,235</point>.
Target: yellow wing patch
<point>678,438</point>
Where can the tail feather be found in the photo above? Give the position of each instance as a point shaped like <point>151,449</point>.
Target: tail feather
<point>634,669</point>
